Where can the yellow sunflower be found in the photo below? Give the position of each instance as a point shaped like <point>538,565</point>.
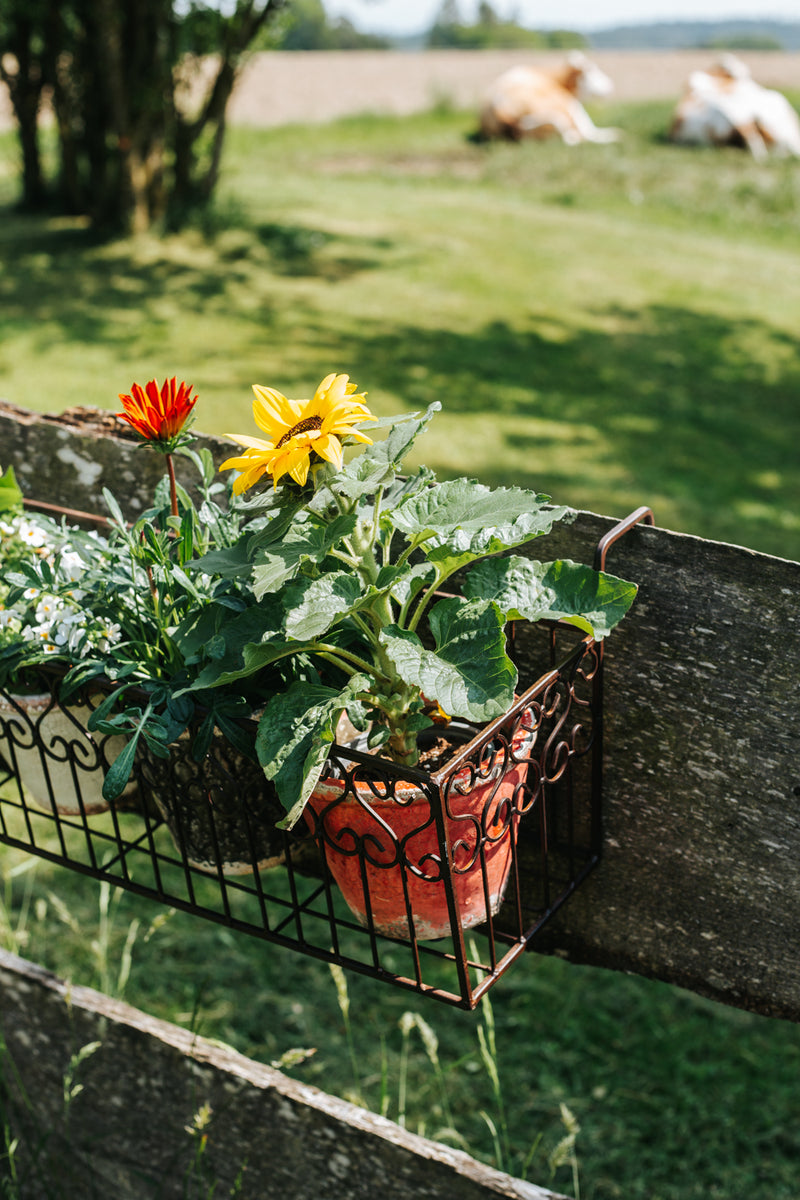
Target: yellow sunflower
<point>297,429</point>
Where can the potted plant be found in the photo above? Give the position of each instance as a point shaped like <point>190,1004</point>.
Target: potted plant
<point>346,568</point>
<point>90,615</point>
<point>59,762</point>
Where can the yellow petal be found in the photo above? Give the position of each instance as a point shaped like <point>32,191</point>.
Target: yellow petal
<point>251,442</point>
<point>359,436</point>
<point>249,477</point>
<point>239,463</point>
<point>322,389</point>
<point>330,448</point>
<point>300,472</point>
<point>274,412</point>
<point>293,460</point>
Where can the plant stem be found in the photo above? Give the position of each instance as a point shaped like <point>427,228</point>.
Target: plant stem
<point>173,487</point>
<point>346,660</point>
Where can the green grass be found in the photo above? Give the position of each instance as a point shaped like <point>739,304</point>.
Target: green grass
<point>677,1098</point>
<point>613,325</point>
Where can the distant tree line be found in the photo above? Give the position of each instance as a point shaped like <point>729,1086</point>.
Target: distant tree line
<point>305,25</point>
<point>491,32</point>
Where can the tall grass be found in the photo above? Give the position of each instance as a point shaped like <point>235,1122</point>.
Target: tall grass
<point>675,1097</point>
<point>609,324</point>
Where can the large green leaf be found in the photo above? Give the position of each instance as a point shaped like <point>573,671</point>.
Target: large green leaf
<point>236,626</point>
<point>237,643</point>
<point>309,542</point>
<point>462,519</point>
<point>409,580</point>
<point>294,736</point>
<point>282,510</point>
<point>562,590</point>
<point>251,659</point>
<point>228,562</point>
<point>469,672</point>
<point>313,605</point>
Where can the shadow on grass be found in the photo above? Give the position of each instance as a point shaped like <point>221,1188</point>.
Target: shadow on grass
<point>688,406</point>
<point>693,412</point>
<point>59,274</point>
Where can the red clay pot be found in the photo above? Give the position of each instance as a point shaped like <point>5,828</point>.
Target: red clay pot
<point>385,838</point>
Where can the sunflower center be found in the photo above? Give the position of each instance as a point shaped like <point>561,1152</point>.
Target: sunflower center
<point>300,427</point>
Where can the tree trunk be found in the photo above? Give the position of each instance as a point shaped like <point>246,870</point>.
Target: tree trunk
<point>33,189</point>
<point>71,190</point>
<point>25,89</point>
<point>127,154</point>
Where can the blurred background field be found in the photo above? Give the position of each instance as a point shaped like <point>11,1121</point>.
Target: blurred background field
<point>613,325</point>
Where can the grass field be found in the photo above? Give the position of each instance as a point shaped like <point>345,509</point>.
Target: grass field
<point>613,325</point>
<point>677,1098</point>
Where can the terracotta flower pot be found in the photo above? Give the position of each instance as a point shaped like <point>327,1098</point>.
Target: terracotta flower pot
<point>60,764</point>
<point>221,811</point>
<point>381,842</point>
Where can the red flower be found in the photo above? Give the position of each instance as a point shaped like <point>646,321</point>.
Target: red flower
<point>158,416</point>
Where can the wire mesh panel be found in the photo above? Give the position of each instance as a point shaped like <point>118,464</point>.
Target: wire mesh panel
<point>392,868</point>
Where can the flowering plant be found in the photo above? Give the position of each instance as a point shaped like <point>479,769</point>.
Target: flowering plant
<point>49,616</point>
<point>344,571</point>
<point>105,607</point>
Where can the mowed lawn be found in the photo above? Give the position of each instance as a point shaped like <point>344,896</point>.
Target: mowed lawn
<point>613,325</point>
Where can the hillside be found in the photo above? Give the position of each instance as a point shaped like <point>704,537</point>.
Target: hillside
<point>686,35</point>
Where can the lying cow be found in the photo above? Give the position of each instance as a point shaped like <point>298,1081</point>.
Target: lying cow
<point>724,106</point>
<point>528,103</point>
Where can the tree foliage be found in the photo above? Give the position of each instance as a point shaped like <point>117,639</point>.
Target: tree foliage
<point>491,32</point>
<point>139,91</point>
<point>305,26</point>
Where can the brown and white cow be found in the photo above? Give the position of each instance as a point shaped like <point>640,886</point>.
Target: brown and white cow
<point>526,102</point>
<point>724,106</point>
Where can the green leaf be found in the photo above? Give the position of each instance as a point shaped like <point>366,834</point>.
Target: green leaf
<point>377,465</point>
<point>10,494</point>
<point>228,563</point>
<point>282,510</point>
<point>252,639</point>
<point>316,604</point>
<point>461,519</point>
<point>310,542</point>
<point>202,459</point>
<point>294,736</point>
<point>105,707</point>
<point>114,509</point>
<point>562,590</point>
<point>469,673</point>
<point>412,580</point>
<point>119,772</point>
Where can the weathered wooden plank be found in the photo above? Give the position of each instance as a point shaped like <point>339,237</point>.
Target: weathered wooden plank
<point>68,458</point>
<point>699,879</point>
<point>160,1112</point>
